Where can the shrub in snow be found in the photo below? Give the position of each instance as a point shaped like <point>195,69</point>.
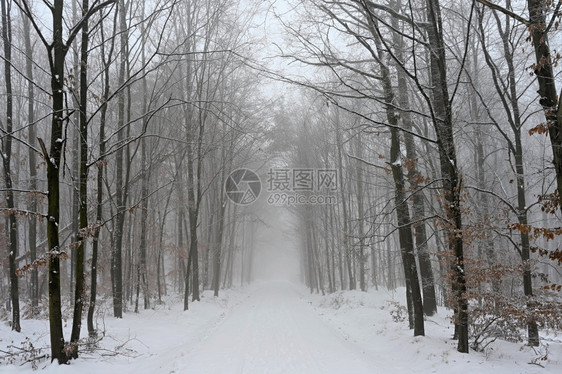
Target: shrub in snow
<point>398,311</point>
<point>26,352</point>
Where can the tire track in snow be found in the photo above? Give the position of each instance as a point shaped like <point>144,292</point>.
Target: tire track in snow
<point>274,331</point>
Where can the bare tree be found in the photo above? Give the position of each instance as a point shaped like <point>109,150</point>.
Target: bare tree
<point>32,158</point>
<point>56,53</point>
<point>7,137</point>
<point>510,102</point>
<point>540,28</point>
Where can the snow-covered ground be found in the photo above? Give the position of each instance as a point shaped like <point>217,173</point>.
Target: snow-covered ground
<point>278,327</point>
<point>366,320</point>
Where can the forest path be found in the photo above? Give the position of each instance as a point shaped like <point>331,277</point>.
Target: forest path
<point>273,331</point>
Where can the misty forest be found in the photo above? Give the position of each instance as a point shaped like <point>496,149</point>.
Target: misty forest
<point>281,186</point>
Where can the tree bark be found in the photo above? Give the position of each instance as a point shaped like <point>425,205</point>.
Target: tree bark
<point>360,214</point>
<point>145,176</point>
<point>57,52</point>
<point>120,189</point>
<point>32,233</point>
<point>79,295</point>
<point>548,96</point>
<point>347,252</point>
<point>106,61</point>
<point>418,211</point>
<point>443,123</point>
<point>6,158</point>
<point>414,296</point>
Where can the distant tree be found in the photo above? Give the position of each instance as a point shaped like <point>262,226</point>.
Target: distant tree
<point>511,106</point>
<point>540,28</point>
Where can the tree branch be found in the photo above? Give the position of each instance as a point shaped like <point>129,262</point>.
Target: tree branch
<point>505,11</point>
<point>553,17</point>
<point>76,29</point>
<point>27,11</point>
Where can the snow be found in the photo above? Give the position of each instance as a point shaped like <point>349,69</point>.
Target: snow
<point>143,341</point>
<point>275,331</point>
<point>365,319</point>
<point>279,327</point>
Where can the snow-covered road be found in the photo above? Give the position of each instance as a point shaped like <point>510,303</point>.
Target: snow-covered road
<point>273,331</point>
<point>278,327</point>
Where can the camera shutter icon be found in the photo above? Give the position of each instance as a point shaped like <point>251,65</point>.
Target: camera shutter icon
<point>243,186</point>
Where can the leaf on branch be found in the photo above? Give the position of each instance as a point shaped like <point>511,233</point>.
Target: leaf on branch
<point>539,129</point>
<point>554,287</point>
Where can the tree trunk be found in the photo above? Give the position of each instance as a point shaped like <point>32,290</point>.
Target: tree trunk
<point>405,228</point>
<point>391,277</point>
<point>549,98</point>
<point>217,252</point>
<point>418,210</point>
<point>145,176</point>
<point>160,268</point>
<point>443,123</point>
<point>327,250</point>
<point>486,245</point>
<point>99,181</point>
<point>346,247</point>
<point>32,234</point>
<point>511,106</point>
<point>79,295</point>
<point>6,158</point>
<point>57,53</point>
<point>120,189</point>
<point>117,234</point>
<point>193,210</point>
<point>360,214</point>
<point>413,295</point>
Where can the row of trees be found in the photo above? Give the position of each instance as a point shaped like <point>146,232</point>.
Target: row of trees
<point>150,106</point>
<point>421,107</point>
<point>430,104</point>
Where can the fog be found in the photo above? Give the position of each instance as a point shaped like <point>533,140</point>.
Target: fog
<point>160,156</point>
<point>276,255</point>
